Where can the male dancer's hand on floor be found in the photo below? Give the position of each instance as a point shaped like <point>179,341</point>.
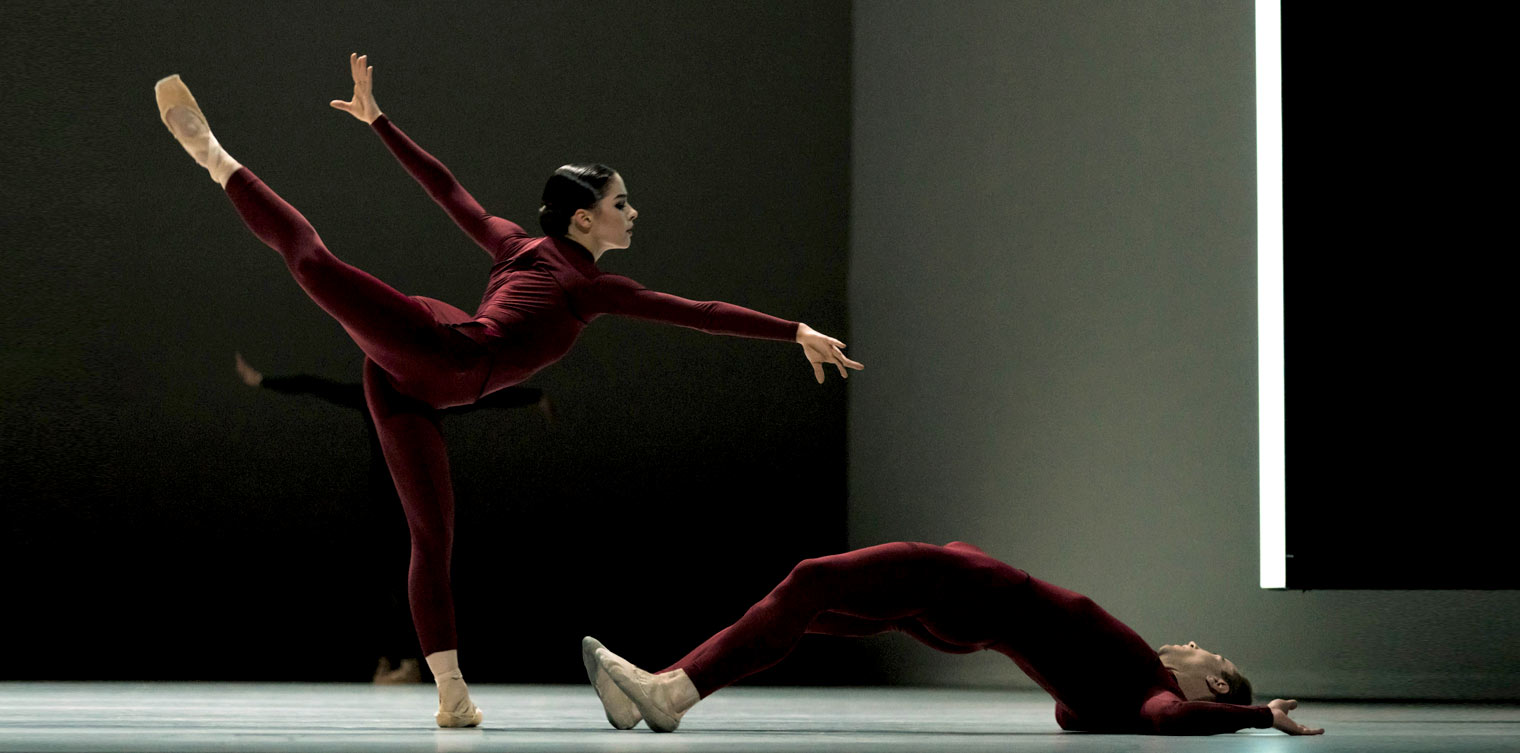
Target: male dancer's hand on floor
<point>1281,722</point>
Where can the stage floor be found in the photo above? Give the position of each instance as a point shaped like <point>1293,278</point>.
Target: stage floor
<point>174,717</point>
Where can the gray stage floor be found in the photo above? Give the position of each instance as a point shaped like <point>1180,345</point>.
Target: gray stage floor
<point>175,717</point>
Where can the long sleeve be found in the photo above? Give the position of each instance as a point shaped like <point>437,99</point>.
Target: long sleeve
<point>487,231</point>
<point>620,295</point>
<point>346,394</point>
<point>1170,715</point>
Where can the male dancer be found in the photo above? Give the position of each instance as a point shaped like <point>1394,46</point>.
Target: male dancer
<point>957,599</point>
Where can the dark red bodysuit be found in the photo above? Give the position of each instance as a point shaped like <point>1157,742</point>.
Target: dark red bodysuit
<point>957,599</point>
<point>423,354</point>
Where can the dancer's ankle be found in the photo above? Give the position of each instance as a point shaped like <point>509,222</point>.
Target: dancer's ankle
<point>443,662</point>
<point>223,168</point>
<point>680,692</point>
<point>446,675</point>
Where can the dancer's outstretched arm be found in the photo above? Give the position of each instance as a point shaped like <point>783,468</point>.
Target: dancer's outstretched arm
<point>1170,716</point>
<point>621,295</point>
<point>487,231</point>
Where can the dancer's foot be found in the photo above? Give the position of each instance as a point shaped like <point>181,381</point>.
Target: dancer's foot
<point>183,117</point>
<point>620,710</point>
<point>455,709</point>
<point>663,699</point>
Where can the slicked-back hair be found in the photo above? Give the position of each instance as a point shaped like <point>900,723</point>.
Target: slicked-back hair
<point>572,187</point>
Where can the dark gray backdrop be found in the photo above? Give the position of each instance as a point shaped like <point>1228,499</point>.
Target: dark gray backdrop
<point>164,520</point>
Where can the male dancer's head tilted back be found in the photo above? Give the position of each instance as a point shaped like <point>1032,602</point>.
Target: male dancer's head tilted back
<point>1205,676</point>
<point>957,599</point>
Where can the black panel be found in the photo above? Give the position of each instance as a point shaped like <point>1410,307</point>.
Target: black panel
<point>1398,331</point>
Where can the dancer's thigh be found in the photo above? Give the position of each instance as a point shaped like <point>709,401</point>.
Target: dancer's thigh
<point>896,580</point>
<point>427,358</point>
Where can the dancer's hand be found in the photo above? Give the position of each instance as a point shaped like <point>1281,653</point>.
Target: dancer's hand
<point>250,376</point>
<point>821,349</point>
<point>1281,722</point>
<point>362,106</point>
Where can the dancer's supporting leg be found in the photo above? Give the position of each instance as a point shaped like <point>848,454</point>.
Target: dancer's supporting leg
<point>929,591</point>
<point>413,446</point>
<point>400,336</point>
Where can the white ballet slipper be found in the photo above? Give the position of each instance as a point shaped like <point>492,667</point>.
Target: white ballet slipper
<point>663,699</point>
<point>621,711</point>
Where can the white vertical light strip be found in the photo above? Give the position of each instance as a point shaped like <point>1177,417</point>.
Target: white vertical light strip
<point>1269,292</point>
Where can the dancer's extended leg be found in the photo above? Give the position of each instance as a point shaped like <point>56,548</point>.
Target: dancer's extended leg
<point>895,582</point>
<point>414,451</point>
<point>947,598</point>
<point>394,330</point>
<point>434,364</point>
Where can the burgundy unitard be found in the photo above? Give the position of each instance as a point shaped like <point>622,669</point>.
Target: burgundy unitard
<point>956,598</point>
<point>423,354</point>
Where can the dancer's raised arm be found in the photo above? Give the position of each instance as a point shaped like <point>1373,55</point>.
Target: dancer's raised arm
<point>487,231</point>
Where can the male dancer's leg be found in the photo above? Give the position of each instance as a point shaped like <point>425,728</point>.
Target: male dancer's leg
<point>906,583</point>
<point>847,626</point>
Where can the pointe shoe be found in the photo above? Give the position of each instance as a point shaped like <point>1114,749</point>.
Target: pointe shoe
<point>188,123</point>
<point>621,711</point>
<point>662,699</point>
<point>183,117</point>
<point>171,92</point>
<point>464,714</point>
<point>460,712</point>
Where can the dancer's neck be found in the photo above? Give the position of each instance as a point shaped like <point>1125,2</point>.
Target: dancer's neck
<point>584,241</point>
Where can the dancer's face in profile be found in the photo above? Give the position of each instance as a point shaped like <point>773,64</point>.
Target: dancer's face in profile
<point>1188,660</point>
<point>612,217</point>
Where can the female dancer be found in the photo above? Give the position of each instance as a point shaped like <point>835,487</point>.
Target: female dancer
<point>422,355</point>
<point>957,599</point>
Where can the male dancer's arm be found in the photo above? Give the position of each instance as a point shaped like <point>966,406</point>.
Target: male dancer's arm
<point>1169,715</point>
<point>344,394</point>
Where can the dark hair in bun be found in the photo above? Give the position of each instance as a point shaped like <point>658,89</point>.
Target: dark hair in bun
<point>572,187</point>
